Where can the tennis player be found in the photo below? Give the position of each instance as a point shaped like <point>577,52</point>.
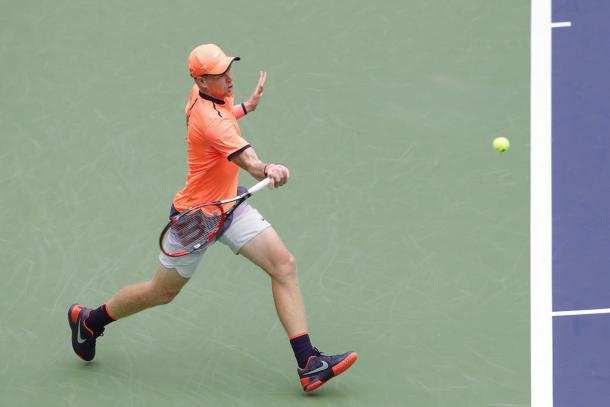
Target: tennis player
<point>216,151</point>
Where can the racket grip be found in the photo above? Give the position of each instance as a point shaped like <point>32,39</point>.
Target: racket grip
<point>261,185</point>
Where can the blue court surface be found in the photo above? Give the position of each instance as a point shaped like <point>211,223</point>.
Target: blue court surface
<point>581,191</point>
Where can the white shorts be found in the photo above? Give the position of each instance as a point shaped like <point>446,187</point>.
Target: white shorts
<point>247,224</point>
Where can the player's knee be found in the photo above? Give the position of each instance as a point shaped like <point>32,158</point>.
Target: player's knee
<point>291,263</point>
<point>165,296</point>
<point>286,268</point>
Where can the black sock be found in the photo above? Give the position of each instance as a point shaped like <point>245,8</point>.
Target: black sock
<point>302,348</point>
<point>98,318</point>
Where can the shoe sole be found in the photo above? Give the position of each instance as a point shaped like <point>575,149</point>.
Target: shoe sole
<point>337,370</point>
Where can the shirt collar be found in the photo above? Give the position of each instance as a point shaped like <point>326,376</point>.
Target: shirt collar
<point>211,99</point>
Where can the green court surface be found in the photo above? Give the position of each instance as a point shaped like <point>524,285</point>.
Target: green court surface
<point>411,233</point>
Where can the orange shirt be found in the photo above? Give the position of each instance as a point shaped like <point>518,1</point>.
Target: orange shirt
<point>213,138</point>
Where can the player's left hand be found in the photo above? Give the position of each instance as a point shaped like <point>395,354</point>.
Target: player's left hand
<point>252,103</point>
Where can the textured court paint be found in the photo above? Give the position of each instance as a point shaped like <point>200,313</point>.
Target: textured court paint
<point>402,98</point>
<point>580,202</point>
<point>581,360</point>
<point>581,189</point>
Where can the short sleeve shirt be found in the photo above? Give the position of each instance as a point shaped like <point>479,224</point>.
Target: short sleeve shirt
<point>213,138</point>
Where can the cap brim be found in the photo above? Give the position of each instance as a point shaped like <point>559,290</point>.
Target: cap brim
<point>223,66</point>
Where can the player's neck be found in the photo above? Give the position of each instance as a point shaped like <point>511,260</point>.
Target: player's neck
<point>211,98</point>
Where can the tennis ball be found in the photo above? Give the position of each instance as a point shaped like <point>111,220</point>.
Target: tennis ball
<point>501,144</point>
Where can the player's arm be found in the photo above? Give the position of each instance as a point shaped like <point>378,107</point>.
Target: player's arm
<point>249,161</point>
<point>240,110</point>
<point>250,105</point>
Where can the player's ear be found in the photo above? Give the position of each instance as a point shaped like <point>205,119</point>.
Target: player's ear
<point>201,82</point>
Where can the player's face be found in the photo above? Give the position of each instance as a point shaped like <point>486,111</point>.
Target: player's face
<point>220,86</point>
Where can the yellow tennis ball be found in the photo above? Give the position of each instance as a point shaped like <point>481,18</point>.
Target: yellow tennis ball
<point>501,144</point>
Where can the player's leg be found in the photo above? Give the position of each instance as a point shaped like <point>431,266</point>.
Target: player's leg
<point>267,250</point>
<point>162,289</point>
<point>88,324</point>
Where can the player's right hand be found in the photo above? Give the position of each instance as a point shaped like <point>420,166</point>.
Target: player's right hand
<point>278,173</point>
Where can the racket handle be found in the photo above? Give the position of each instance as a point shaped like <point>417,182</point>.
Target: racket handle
<point>261,185</point>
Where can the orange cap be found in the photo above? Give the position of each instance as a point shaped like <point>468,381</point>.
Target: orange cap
<point>209,59</point>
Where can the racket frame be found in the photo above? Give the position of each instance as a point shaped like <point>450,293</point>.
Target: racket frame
<point>224,215</point>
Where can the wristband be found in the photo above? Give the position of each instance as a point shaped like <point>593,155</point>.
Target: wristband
<point>265,169</point>
<point>244,107</point>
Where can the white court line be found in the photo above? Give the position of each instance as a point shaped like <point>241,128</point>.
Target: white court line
<point>541,308</point>
<point>561,24</point>
<point>582,312</point>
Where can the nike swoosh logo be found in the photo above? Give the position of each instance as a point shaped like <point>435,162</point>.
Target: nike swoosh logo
<point>323,367</point>
<point>78,333</point>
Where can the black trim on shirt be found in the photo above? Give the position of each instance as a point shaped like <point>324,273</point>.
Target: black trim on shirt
<point>238,152</point>
<point>214,101</point>
<point>217,111</point>
<point>211,99</point>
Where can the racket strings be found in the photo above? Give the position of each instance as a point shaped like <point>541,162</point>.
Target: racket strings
<point>195,229</point>
<point>198,227</point>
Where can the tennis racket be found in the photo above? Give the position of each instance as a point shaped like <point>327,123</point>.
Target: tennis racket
<point>195,228</point>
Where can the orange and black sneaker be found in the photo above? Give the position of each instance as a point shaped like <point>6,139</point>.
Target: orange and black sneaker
<point>83,338</point>
<point>321,368</point>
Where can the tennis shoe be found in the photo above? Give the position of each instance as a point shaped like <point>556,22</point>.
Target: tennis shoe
<point>321,368</point>
<point>83,338</point>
